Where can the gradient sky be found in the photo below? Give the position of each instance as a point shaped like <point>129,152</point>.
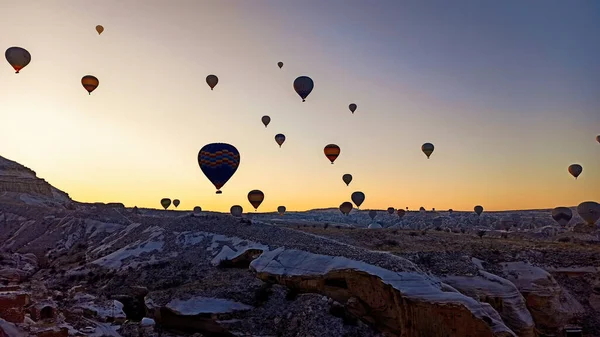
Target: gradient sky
<point>507,91</point>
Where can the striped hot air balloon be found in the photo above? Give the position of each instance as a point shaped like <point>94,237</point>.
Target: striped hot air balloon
<point>332,151</point>
<point>218,162</point>
<point>256,197</point>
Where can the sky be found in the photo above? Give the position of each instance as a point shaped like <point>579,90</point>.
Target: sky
<point>507,91</point>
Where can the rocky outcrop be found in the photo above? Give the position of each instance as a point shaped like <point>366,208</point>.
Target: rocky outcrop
<point>397,303</point>
<point>552,307</point>
<point>12,306</point>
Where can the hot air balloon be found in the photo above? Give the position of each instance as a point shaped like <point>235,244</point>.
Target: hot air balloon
<point>562,215</point>
<point>401,213</point>
<point>332,151</point>
<point>165,202</point>
<point>197,210</point>
<point>281,210</point>
<point>372,214</point>
<point>347,178</point>
<point>266,120</point>
<point>303,86</point>
<point>598,138</point>
<point>279,138</point>
<point>575,170</point>
<point>358,198</point>
<point>256,198</point>
<point>176,202</point>
<point>352,107</point>
<point>18,58</point>
<point>218,162</point>
<point>391,210</point>
<point>280,64</point>
<point>478,209</point>
<point>236,210</point>
<point>99,29</point>
<point>450,211</point>
<point>589,211</point>
<point>427,148</point>
<point>90,83</point>
<point>212,81</point>
<point>346,207</point>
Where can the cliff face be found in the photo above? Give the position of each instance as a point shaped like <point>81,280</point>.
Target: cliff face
<point>21,183</point>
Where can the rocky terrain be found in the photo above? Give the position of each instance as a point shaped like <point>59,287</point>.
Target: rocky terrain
<point>76,269</point>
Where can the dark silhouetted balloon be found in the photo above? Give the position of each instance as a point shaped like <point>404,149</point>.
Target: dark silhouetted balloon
<point>281,210</point>
<point>346,207</point>
<point>303,86</point>
<point>575,170</point>
<point>236,210</point>
<point>256,197</point>
<point>280,64</point>
<point>212,81</point>
<point>427,148</point>
<point>372,214</point>
<point>17,57</point>
<point>347,178</point>
<point>165,202</point>
<point>450,211</point>
<point>332,151</point>
<point>90,83</point>
<point>589,211</point>
<point>266,120</point>
<point>99,29</point>
<point>562,215</point>
<point>352,107</point>
<point>279,138</point>
<point>197,210</point>
<point>176,202</point>
<point>401,213</point>
<point>391,210</point>
<point>358,198</point>
<point>218,162</point>
<point>478,209</point>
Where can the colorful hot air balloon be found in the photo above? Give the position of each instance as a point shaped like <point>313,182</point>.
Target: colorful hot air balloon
<point>165,202</point>
<point>266,120</point>
<point>478,209</point>
<point>346,207</point>
<point>212,81</point>
<point>401,213</point>
<point>562,215</point>
<point>372,214</point>
<point>218,162</point>
<point>352,107</point>
<point>427,148</point>
<point>575,170</point>
<point>279,138</point>
<point>236,210</point>
<point>589,211</point>
<point>347,178</point>
<point>256,197</point>
<point>99,29</point>
<point>281,210</point>
<point>197,210</point>
<point>90,83</point>
<point>391,210</point>
<point>303,85</point>
<point>176,202</point>
<point>17,57</point>
<point>280,64</point>
<point>358,198</point>
<point>332,151</point>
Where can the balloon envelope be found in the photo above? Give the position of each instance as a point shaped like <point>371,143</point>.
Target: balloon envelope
<point>332,151</point>
<point>165,202</point>
<point>281,210</point>
<point>17,57</point>
<point>280,64</point>
<point>401,213</point>
<point>303,85</point>
<point>352,107</point>
<point>212,81</point>
<point>218,162</point>
<point>99,29</point>
<point>358,198</point>
<point>372,214</point>
<point>478,209</point>
<point>575,170</point>
<point>279,139</point>
<point>347,178</point>
<point>562,215</point>
<point>346,207</point>
<point>589,211</point>
<point>236,210</point>
<point>197,210</point>
<point>266,120</point>
<point>598,138</point>
<point>390,210</point>
<point>256,197</point>
<point>427,148</point>
<point>176,202</point>
<point>90,83</point>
